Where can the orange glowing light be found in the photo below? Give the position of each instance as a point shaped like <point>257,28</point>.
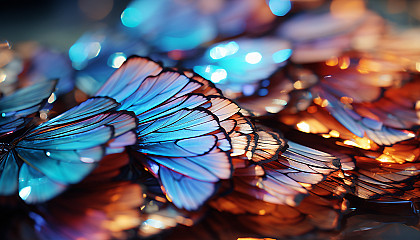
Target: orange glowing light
<point>305,185</point>
<point>384,158</point>
<point>363,143</point>
<point>298,85</point>
<point>344,63</point>
<point>334,133</point>
<point>324,103</point>
<point>417,107</point>
<point>304,127</point>
<point>346,100</point>
<point>326,135</point>
<point>318,101</point>
<point>367,65</point>
<point>332,62</point>
<point>160,199</point>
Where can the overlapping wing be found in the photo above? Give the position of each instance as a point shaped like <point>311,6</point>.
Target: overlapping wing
<point>66,149</point>
<point>183,150</point>
<point>180,134</point>
<point>362,126</point>
<point>22,103</point>
<point>96,208</point>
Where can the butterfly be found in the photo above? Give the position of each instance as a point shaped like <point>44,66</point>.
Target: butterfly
<point>43,160</point>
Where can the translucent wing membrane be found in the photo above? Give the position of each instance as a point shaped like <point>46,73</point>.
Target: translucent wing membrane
<point>208,88</point>
<point>243,136</point>
<point>361,126</point>
<point>185,192</point>
<point>9,170</point>
<point>22,103</point>
<point>281,221</point>
<point>398,108</point>
<point>298,168</point>
<point>66,149</point>
<point>374,179</point>
<point>270,144</point>
<point>127,79</point>
<point>154,91</point>
<point>180,127</point>
<point>89,108</point>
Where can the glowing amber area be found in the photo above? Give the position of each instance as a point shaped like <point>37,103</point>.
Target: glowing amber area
<point>298,85</point>
<point>332,62</point>
<point>366,66</point>
<point>334,133</point>
<point>318,101</point>
<point>305,185</point>
<point>363,143</point>
<point>385,158</point>
<point>345,62</point>
<point>303,127</point>
<point>346,100</point>
<point>324,103</point>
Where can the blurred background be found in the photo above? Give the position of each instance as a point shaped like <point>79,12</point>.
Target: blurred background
<point>60,23</point>
<point>269,55</point>
<point>56,23</point>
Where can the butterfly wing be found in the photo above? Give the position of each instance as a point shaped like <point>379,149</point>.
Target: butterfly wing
<point>183,152</point>
<point>128,78</point>
<point>24,102</point>
<point>65,149</point>
<point>374,179</point>
<point>8,174</point>
<point>95,208</point>
<point>178,132</point>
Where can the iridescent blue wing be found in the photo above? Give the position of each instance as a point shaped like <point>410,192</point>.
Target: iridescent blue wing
<point>179,128</point>
<point>127,79</point>
<point>26,101</point>
<point>65,149</point>
<point>208,88</point>
<point>149,97</point>
<point>184,148</point>
<point>8,174</point>
<point>184,191</point>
